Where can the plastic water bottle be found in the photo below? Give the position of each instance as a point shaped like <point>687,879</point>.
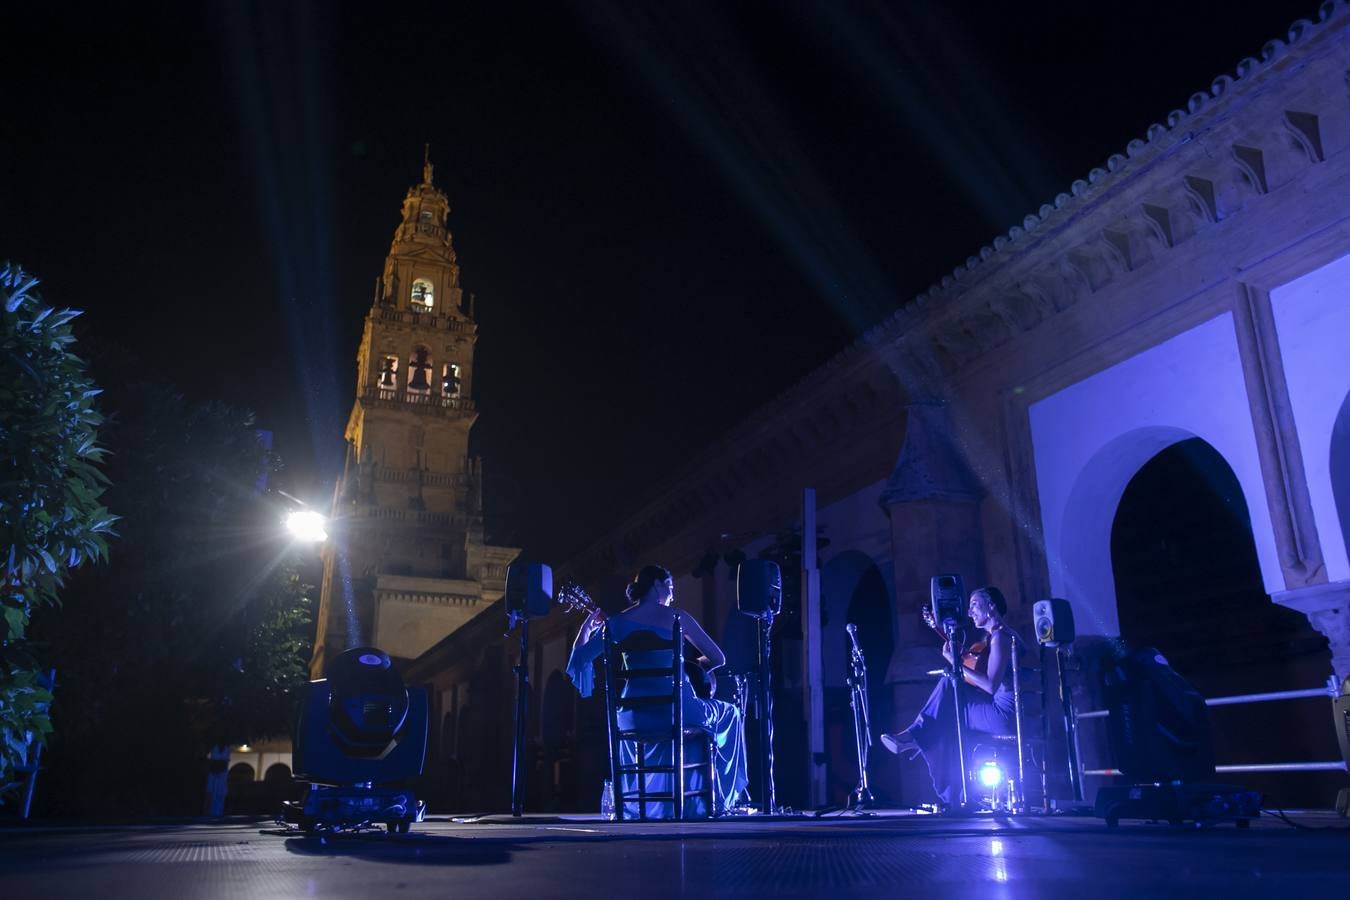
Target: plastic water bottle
<point>607,800</point>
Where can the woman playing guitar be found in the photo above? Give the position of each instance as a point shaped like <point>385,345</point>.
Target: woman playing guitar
<point>651,593</point>
<point>988,708</point>
<point>976,655</point>
<point>698,667</point>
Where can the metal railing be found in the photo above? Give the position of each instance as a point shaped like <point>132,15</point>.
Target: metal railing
<point>1330,690</point>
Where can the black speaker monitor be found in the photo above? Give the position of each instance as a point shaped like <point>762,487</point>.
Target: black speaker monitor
<point>1053,621</point>
<point>759,587</point>
<point>947,598</point>
<point>529,589</point>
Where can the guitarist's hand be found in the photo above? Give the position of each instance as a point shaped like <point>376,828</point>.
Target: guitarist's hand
<point>947,653</point>
<point>709,678</point>
<point>593,622</point>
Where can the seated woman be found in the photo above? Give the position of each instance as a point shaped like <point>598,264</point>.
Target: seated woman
<point>652,593</point>
<point>988,709</point>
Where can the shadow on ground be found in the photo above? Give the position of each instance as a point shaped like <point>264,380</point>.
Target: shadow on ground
<point>420,849</point>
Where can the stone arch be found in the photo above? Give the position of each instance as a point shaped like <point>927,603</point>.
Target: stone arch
<point>278,775</point>
<point>853,590</point>
<point>1189,583</point>
<point>555,720</point>
<point>1090,439</point>
<point>1084,553</point>
<point>1339,467</point>
<point>1083,561</point>
<point>239,774</point>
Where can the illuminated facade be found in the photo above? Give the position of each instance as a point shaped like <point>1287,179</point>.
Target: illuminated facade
<point>1189,296</point>
<point>408,563</point>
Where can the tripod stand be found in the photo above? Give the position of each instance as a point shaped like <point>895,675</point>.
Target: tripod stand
<point>522,672</point>
<point>861,797</point>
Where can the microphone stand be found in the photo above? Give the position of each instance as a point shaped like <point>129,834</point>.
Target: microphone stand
<point>861,798</point>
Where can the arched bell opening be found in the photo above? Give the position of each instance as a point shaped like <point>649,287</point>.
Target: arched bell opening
<point>423,296</point>
<point>419,371</point>
<point>388,377</point>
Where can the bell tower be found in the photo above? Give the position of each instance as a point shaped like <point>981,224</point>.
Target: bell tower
<point>407,564</point>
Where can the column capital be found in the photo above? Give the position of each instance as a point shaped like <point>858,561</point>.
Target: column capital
<point>1315,597</point>
<point>1327,607</point>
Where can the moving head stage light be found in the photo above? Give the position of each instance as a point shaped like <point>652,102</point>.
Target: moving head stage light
<point>1159,736</point>
<point>362,736</point>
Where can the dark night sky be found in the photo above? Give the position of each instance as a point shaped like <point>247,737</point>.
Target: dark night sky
<point>668,211</point>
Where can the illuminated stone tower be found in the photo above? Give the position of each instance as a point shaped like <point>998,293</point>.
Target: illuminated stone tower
<point>408,564</point>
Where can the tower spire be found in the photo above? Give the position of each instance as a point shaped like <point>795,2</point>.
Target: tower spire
<point>426,164</point>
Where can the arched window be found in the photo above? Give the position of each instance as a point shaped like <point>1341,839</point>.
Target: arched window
<point>389,374</point>
<point>419,371</point>
<point>240,773</point>
<point>423,298</point>
<point>450,380</point>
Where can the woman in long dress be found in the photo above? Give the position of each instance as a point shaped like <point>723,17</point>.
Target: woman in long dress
<point>652,592</point>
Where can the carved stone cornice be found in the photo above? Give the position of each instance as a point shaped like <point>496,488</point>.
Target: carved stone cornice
<point>1244,138</point>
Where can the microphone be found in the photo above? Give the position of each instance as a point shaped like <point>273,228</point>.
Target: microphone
<point>852,634</point>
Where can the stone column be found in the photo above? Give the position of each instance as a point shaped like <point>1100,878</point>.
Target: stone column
<point>932,500</point>
<point>1327,607</point>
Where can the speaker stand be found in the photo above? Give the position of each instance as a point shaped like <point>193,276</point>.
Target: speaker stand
<point>522,671</point>
<point>764,700</point>
<point>1070,725</point>
<point>957,676</point>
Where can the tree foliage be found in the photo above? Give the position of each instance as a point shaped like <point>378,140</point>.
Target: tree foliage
<point>51,515</point>
<point>198,630</point>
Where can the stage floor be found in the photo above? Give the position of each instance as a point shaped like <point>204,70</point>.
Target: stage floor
<point>582,856</point>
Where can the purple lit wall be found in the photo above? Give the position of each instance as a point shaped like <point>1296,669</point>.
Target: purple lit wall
<point>1092,437</point>
<point>1312,316</point>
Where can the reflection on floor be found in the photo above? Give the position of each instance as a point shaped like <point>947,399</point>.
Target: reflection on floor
<point>844,856</point>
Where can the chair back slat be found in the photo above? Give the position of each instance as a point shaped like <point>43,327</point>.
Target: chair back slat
<point>640,661</point>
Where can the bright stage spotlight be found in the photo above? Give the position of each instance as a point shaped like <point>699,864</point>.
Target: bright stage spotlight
<point>991,774</point>
<point>307,526</point>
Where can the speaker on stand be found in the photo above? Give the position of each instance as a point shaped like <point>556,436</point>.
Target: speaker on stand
<point>1052,620</point>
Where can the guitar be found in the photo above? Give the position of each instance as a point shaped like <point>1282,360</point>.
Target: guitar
<point>573,598</point>
<point>975,652</point>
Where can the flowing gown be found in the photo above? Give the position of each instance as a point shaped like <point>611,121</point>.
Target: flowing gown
<point>721,720</point>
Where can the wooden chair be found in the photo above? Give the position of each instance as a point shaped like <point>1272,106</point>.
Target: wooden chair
<point>1015,751</point>
<point>646,656</point>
